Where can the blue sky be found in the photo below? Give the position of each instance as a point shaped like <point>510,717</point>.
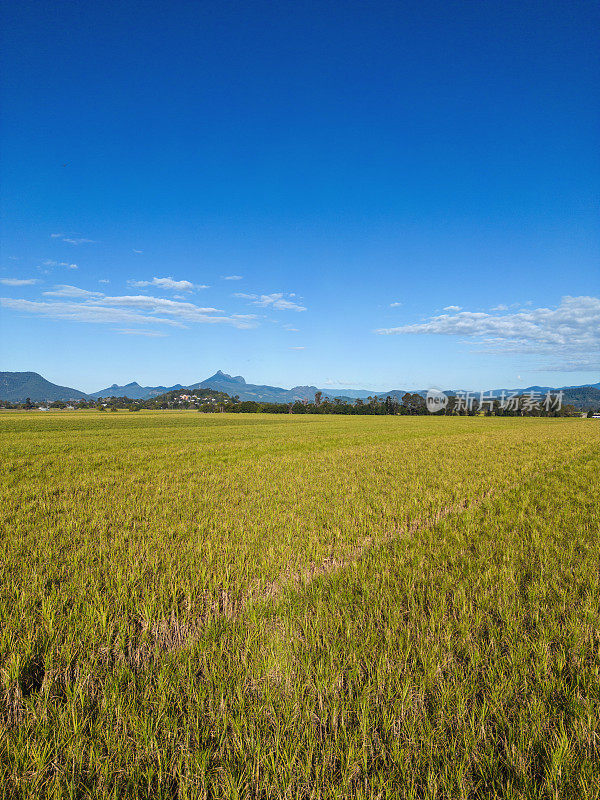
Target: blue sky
<point>380,195</point>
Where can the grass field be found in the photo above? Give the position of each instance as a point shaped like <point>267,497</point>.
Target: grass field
<point>255,606</point>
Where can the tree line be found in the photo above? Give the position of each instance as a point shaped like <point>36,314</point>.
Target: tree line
<point>209,401</point>
<point>408,405</point>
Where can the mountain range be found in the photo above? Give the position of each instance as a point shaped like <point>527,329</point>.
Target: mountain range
<point>16,387</point>
<point>134,391</point>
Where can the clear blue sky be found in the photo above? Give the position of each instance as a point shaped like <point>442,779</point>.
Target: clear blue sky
<point>406,192</point>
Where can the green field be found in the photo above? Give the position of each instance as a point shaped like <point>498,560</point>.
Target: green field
<point>256,606</point>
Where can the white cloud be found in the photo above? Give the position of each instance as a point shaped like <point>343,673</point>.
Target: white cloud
<point>500,307</point>
<point>148,302</point>
<point>83,312</point>
<point>169,283</point>
<point>276,300</point>
<point>297,348</point>
<point>97,307</point>
<point>71,291</point>
<point>72,239</point>
<point>395,305</point>
<point>140,332</point>
<point>50,263</point>
<point>19,281</point>
<point>232,277</point>
<point>139,252</point>
<point>103,280</point>
<point>452,308</point>
<point>568,332</point>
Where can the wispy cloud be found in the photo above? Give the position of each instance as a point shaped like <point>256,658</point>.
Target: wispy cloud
<point>169,284</point>
<point>50,263</point>
<point>83,312</point>
<point>297,348</point>
<point>577,365</point>
<point>19,281</point>
<point>139,252</point>
<point>90,306</point>
<point>232,277</point>
<point>78,241</point>
<point>71,238</point>
<point>395,305</point>
<point>277,300</point>
<point>140,332</point>
<point>452,308</point>
<point>103,280</point>
<point>71,291</point>
<point>161,304</point>
<point>567,333</point>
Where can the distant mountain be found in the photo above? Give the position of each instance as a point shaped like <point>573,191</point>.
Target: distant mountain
<point>582,397</point>
<point>354,394</point>
<point>539,389</point>
<point>579,396</point>
<point>16,387</point>
<point>222,382</point>
<point>134,391</point>
<point>585,386</point>
<point>274,394</point>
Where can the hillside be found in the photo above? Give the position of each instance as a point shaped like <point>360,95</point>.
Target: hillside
<point>582,397</point>
<point>16,387</point>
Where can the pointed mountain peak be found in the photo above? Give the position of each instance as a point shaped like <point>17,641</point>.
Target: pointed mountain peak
<point>223,376</point>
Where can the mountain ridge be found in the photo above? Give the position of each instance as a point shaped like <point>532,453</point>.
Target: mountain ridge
<point>135,391</point>
<point>17,386</point>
